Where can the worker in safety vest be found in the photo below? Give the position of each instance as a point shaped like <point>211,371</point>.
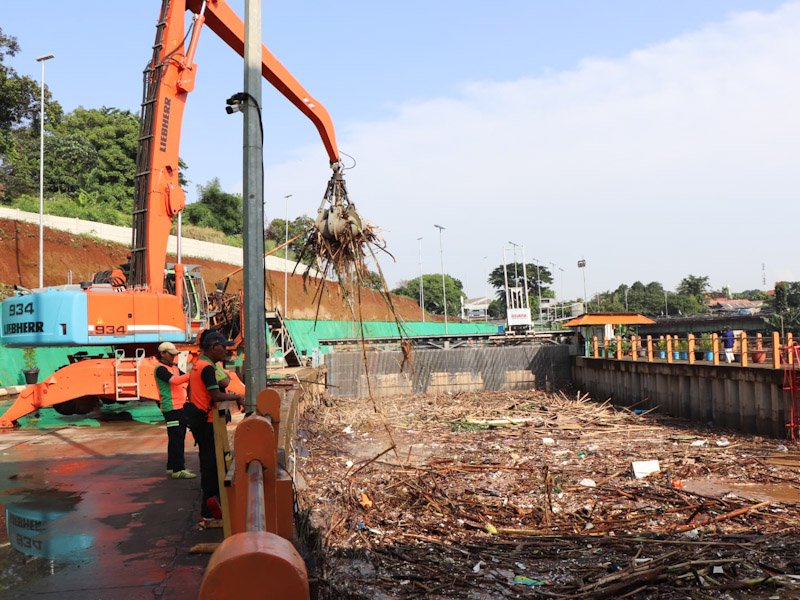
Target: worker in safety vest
<point>204,393</point>
<point>172,384</point>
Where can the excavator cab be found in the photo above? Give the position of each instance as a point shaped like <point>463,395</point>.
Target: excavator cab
<point>195,299</point>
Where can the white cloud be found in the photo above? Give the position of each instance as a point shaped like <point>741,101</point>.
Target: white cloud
<point>679,158</point>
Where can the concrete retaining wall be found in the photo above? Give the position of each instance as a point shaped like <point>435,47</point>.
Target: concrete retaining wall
<point>749,400</point>
<point>448,371</point>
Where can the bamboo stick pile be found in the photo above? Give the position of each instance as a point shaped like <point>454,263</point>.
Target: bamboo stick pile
<point>528,494</point>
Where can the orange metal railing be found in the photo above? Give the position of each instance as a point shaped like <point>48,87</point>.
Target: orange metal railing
<point>707,349</point>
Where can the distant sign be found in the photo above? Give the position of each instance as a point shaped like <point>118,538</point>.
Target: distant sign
<point>518,316</point>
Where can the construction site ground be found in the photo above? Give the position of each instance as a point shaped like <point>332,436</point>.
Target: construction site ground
<point>101,506</point>
<point>529,494</point>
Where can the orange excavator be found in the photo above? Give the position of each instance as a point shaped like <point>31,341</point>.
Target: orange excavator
<point>148,301</point>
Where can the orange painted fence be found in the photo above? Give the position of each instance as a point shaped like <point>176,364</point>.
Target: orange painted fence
<point>257,558</point>
<point>706,349</point>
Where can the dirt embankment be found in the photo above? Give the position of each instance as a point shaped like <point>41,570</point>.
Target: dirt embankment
<point>64,252</point>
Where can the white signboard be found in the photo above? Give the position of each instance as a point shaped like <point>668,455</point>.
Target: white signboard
<point>518,316</point>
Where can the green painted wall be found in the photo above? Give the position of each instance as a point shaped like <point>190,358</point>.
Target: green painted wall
<point>49,360</point>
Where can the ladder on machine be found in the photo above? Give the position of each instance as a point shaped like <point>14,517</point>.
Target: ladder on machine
<point>126,374</point>
<point>791,390</point>
<point>280,333</point>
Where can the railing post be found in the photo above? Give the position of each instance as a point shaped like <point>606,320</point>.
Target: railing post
<point>605,347</point>
<point>776,350</point>
<point>743,349</point>
<point>619,347</point>
<point>715,347</point>
<point>649,348</point>
<point>669,348</point>
<point>595,349</point>
<point>634,346</point>
<point>691,348</point>
<point>790,354</point>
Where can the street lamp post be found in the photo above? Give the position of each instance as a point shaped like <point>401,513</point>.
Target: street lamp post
<point>421,295</point>
<point>582,266</point>
<point>539,287</point>
<point>666,306</point>
<point>444,290</point>
<point>486,270</point>
<point>563,307</point>
<point>286,262</point>
<point>42,60</point>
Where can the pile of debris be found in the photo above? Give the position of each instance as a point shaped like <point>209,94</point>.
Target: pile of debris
<point>527,494</point>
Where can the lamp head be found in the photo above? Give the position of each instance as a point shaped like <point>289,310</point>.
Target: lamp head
<point>44,58</point>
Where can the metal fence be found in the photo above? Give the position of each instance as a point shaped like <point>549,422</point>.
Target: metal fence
<point>447,370</point>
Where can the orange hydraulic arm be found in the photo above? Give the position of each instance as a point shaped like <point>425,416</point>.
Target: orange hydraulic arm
<point>169,78</point>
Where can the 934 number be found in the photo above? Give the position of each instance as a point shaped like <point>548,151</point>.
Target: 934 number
<point>19,309</point>
<point>110,330</point>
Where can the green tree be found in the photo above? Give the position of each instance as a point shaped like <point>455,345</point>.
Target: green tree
<point>276,232</point>
<point>216,209</point>
<point>95,150</point>
<point>432,293</point>
<point>693,286</point>
<point>19,109</point>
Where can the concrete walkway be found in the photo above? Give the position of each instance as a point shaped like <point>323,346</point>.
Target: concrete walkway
<point>88,513</point>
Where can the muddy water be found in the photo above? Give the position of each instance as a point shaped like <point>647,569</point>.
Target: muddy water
<point>778,493</point>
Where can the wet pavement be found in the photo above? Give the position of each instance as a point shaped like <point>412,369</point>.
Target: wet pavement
<point>89,513</point>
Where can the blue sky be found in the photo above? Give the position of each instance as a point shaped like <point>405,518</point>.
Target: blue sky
<point>655,139</point>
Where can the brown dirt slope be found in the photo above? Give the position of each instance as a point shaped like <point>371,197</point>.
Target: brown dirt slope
<point>64,252</point>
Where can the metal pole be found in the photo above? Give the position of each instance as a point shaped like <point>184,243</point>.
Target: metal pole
<point>539,286</point>
<point>286,265</point>
<point>42,60</point>
<point>486,270</point>
<point>505,279</point>
<point>563,306</point>
<point>254,316</point>
<point>666,307</point>
<point>525,279</point>
<point>444,289</point>
<point>421,295</point>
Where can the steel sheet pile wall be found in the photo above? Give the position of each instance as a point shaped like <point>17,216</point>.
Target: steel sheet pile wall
<point>454,370</point>
<point>745,399</point>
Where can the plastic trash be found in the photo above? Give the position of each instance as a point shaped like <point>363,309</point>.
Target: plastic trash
<point>587,483</point>
<point>548,441</point>
<point>348,429</point>
<point>782,448</point>
<point>581,455</point>
<point>698,443</point>
<point>723,442</point>
<point>477,567</point>
<point>528,581</point>
<point>643,468</point>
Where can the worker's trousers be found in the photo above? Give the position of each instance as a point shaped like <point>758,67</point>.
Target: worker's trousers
<point>204,436</point>
<point>176,434</point>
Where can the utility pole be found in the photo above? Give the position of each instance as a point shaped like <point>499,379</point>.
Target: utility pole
<point>286,266</point>
<point>582,267</point>
<point>444,290</point>
<point>421,294</point>
<point>255,323</point>
<point>42,60</point>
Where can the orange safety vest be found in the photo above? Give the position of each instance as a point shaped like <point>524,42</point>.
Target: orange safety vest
<point>199,394</point>
<point>172,395</point>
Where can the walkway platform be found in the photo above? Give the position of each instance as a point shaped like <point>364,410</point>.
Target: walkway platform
<point>88,513</point>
